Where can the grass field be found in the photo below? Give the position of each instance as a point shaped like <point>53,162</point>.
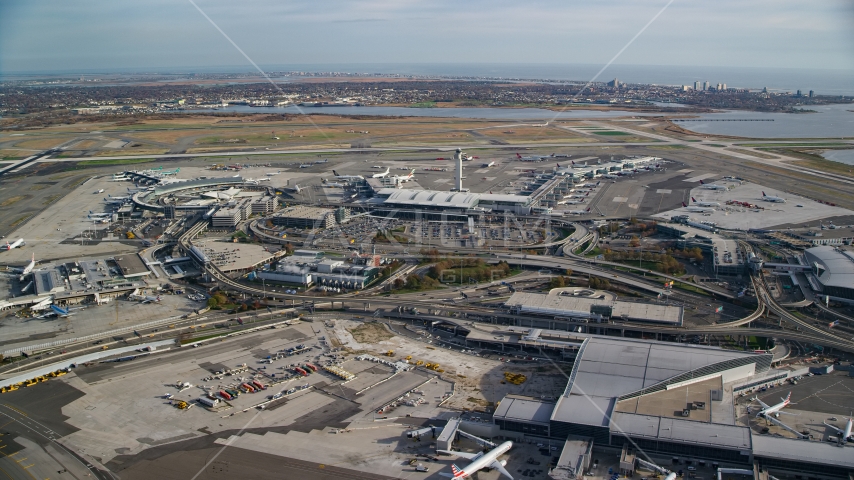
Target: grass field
<point>608,132</point>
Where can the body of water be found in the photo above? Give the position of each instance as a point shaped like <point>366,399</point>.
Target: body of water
<point>841,156</point>
<point>830,121</point>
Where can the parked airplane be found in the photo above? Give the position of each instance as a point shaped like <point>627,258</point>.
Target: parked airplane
<point>775,409</point>
<point>26,270</point>
<point>578,212</point>
<point>705,204</point>
<point>381,175</point>
<point>487,165</point>
<point>480,461</point>
<point>773,199</point>
<point>697,209</point>
<point>17,243</point>
<point>845,433</point>
<point>347,178</point>
<point>404,178</point>
<point>272,173</point>
<point>378,167</point>
<point>591,185</point>
<point>60,312</point>
<point>529,159</point>
<point>296,189</point>
<point>712,186</point>
<point>305,165</point>
<point>99,191</point>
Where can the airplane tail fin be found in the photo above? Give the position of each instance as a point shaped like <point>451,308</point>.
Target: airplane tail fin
<point>763,194</point>
<point>457,471</point>
<point>518,156</point>
<point>702,182</point>
<point>335,173</point>
<point>693,199</point>
<point>683,204</point>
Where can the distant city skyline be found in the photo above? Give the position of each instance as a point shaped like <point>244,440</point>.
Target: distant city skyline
<point>54,35</point>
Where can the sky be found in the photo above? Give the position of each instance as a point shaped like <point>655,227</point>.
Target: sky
<point>86,35</point>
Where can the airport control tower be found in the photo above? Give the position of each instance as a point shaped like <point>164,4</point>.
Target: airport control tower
<point>458,160</point>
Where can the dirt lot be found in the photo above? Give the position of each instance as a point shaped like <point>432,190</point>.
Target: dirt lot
<point>370,333</point>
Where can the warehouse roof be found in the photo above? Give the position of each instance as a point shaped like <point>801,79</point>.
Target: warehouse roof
<point>524,409</point>
<point>681,431</point>
<point>436,198</point>
<point>800,451</point>
<point>572,306</point>
<point>608,368</point>
<point>837,266</point>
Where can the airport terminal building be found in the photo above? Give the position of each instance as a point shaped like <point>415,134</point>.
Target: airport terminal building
<point>832,271</point>
<point>674,400</point>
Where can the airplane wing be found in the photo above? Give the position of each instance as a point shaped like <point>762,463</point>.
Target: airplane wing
<point>497,465</point>
<point>838,430</point>
<point>468,456</point>
<point>764,405</point>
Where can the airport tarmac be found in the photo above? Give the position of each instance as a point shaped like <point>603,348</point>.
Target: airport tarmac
<point>116,413</point>
<point>815,400</point>
<point>89,319</point>
<point>795,210</point>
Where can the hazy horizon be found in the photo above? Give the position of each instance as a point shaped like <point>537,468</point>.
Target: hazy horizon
<point>54,35</point>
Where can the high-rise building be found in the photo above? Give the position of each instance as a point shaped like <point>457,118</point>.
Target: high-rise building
<point>614,83</point>
<point>685,88</point>
<point>697,85</point>
<point>718,87</point>
<point>812,94</point>
<point>706,85</point>
<point>799,93</point>
<point>723,86</point>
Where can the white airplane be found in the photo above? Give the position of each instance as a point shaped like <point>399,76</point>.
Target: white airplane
<point>578,212</point>
<point>480,461</point>
<point>487,165</point>
<point>272,173</point>
<point>347,178</point>
<point>712,186</point>
<point>17,243</point>
<point>697,209</point>
<point>30,266</point>
<point>150,299</point>
<point>99,191</point>
<point>295,189</point>
<point>305,165</point>
<point>773,199</point>
<point>529,159</point>
<point>378,167</point>
<point>845,433</point>
<point>705,204</point>
<point>775,409</point>
<point>98,215</point>
<point>381,175</point>
<point>404,178</point>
